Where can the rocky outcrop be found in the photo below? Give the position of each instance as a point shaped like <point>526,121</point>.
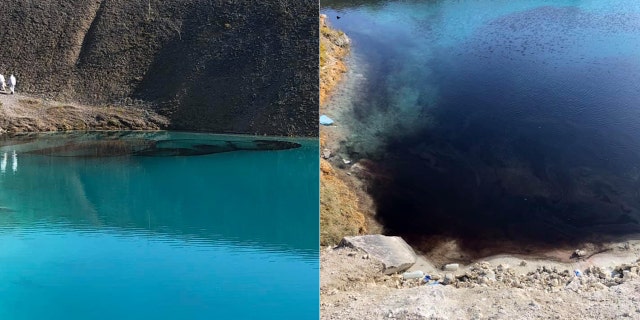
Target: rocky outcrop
<point>211,65</point>
<point>394,253</point>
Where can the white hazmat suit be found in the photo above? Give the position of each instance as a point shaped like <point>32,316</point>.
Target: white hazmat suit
<point>12,84</point>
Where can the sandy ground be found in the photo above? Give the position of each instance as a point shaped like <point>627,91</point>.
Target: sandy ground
<point>500,287</point>
<point>21,113</point>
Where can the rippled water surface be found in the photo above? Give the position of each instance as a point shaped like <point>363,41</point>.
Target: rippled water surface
<point>497,119</point>
<point>158,226</point>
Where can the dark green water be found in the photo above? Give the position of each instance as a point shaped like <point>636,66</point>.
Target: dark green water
<point>90,230</point>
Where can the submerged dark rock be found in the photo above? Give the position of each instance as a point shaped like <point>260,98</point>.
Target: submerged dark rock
<point>106,145</point>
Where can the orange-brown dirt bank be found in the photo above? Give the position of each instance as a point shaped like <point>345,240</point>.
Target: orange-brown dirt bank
<point>340,212</point>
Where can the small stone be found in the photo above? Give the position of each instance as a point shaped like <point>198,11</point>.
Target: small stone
<point>490,275</point>
<point>448,279</point>
<point>578,254</point>
<point>502,267</point>
<point>477,316</point>
<point>599,286</point>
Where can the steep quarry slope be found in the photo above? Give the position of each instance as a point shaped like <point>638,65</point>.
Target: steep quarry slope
<point>213,65</point>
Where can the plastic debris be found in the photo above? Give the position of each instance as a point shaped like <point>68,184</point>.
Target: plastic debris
<point>413,275</point>
<point>325,121</point>
<point>577,273</point>
<point>451,267</point>
<point>427,280</point>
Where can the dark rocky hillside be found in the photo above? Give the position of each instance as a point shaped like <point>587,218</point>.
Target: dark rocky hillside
<point>211,65</point>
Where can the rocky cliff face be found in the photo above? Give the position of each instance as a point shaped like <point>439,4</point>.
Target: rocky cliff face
<point>212,65</point>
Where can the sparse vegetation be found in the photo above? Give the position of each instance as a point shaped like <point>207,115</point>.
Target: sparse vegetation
<point>323,54</point>
<point>339,214</point>
<point>333,50</point>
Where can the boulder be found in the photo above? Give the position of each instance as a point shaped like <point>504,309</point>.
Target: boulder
<point>394,253</point>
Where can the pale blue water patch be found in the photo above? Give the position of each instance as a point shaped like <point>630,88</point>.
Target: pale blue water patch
<point>520,112</point>
<point>138,232</point>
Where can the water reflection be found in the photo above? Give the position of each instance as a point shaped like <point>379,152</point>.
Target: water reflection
<point>14,162</point>
<point>264,199</point>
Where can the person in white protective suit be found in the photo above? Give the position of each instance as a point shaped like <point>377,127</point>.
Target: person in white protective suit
<point>12,83</point>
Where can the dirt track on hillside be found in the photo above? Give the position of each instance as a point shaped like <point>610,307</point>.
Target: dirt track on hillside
<point>19,113</point>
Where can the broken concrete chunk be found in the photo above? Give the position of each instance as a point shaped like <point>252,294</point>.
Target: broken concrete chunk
<point>394,253</point>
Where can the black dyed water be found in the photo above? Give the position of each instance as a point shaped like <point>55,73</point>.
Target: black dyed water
<point>495,121</point>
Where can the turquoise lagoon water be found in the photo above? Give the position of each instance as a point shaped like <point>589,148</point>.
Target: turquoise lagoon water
<point>496,119</point>
<point>158,226</point>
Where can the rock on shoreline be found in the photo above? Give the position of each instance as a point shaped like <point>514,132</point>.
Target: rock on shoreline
<point>394,253</point>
